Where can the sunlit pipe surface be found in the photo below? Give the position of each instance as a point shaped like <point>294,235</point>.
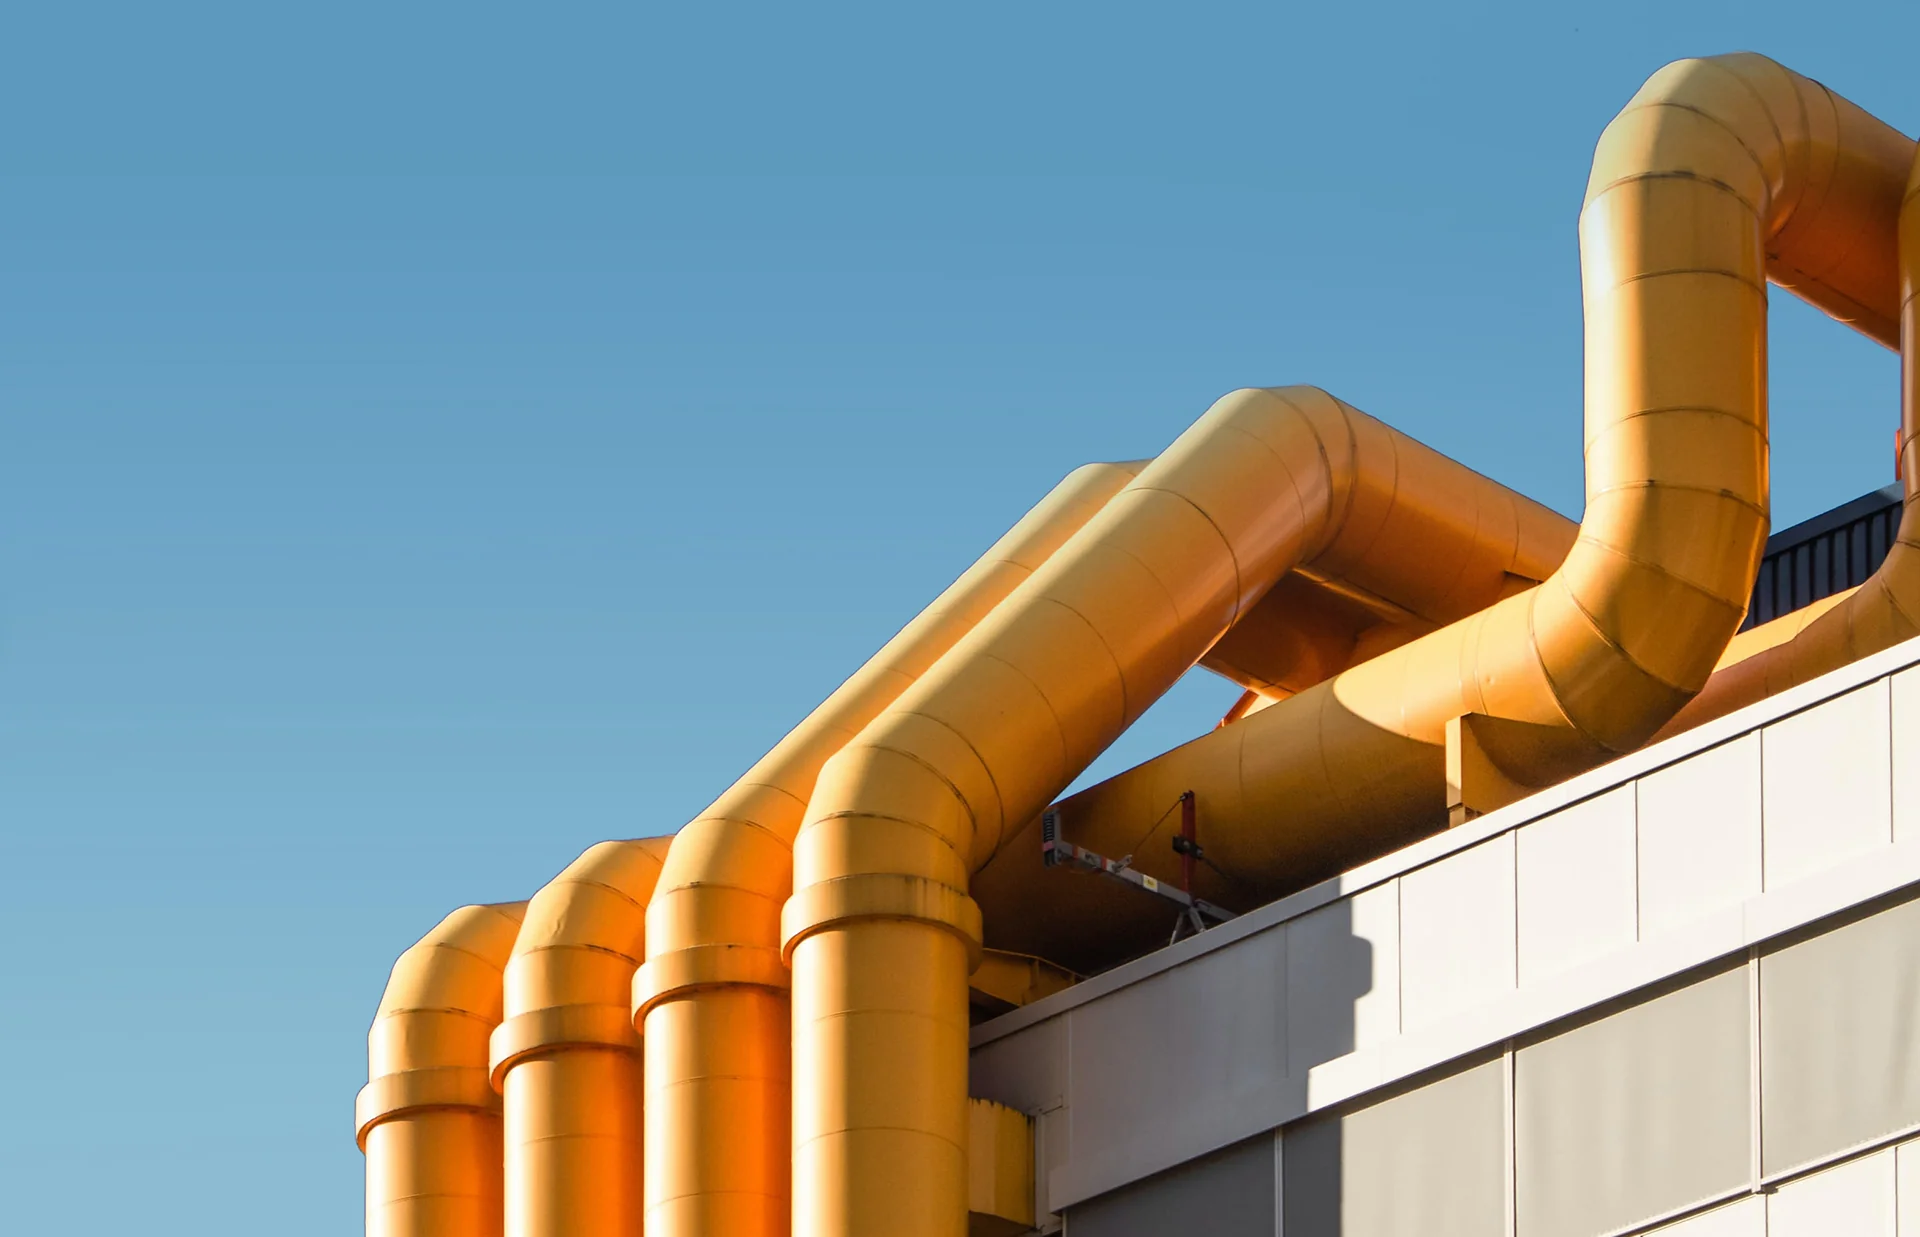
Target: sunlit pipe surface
<point>427,1119</point>
<point>566,1059</point>
<point>880,930</point>
<point>712,997</point>
<point>1885,609</point>
<point>1719,174</point>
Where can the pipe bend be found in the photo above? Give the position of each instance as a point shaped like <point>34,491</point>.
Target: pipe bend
<point>881,930</point>
<point>1259,484</point>
<point>566,1058</point>
<point>427,1119</point>
<point>1719,176</point>
<point>730,870</point>
<point>426,1047</point>
<point>712,996</point>
<point>584,935</point>
<point>1822,175</point>
<point>1885,609</point>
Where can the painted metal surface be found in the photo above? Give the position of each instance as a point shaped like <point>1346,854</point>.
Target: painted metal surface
<point>1469,939</point>
<point>712,996</point>
<point>428,1119</point>
<point>797,957</point>
<point>1720,175</point>
<point>1886,608</point>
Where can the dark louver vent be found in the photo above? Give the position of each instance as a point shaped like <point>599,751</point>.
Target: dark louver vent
<point>1825,555</point>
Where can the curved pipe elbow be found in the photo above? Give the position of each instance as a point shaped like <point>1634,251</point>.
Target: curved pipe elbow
<point>1266,482</point>
<point>712,995</point>
<point>715,919</point>
<point>427,1119</point>
<point>567,980</point>
<point>1885,609</point>
<point>1719,175</point>
<point>565,1057</point>
<point>428,1043</point>
<point>1032,694</point>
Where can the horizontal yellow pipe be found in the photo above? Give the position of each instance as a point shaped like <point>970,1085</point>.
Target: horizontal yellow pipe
<point>566,1059</point>
<point>1719,175</point>
<point>880,929</point>
<point>427,1118</point>
<point>712,997</point>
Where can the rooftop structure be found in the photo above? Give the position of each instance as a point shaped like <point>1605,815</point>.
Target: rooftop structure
<point>1529,890</point>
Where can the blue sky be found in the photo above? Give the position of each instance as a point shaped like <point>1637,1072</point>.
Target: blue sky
<point>432,441</point>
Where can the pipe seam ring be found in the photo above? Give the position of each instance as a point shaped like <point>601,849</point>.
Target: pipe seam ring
<point>436,1086</point>
<point>880,895</point>
<point>557,1026</point>
<point>706,966</point>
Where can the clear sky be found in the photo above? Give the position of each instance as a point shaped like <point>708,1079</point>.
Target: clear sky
<point>432,441</point>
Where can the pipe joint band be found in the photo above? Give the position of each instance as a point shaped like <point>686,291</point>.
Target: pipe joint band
<point>440,1086</point>
<point>706,966</point>
<point>556,1027</point>
<point>880,895</point>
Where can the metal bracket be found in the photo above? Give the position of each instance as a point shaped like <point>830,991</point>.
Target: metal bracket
<point>1056,852</point>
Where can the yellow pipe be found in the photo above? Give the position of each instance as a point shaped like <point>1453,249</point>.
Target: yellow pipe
<point>1719,174</point>
<point>1886,608</point>
<point>566,1059</point>
<point>880,931</point>
<point>427,1118</point>
<point>712,996</point>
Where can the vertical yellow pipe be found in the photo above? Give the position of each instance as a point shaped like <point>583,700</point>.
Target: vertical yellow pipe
<point>1886,608</point>
<point>427,1119</point>
<point>566,1059</point>
<point>880,929</point>
<point>712,998</point>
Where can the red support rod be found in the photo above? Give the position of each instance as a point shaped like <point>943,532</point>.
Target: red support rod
<point>1189,830</point>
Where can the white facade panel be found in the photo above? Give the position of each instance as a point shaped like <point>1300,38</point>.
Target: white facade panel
<point>1906,1172</point>
<point>1343,978</point>
<point>1636,1114</point>
<point>1413,962</point>
<point>1429,1162</point>
<point>1828,784</point>
<point>1457,933</point>
<point>1699,835</point>
<point>1577,885</point>
<point>1906,757</point>
<point>1839,1048</point>
<point>1854,1200</point>
<point>1745,1218</point>
<point>1145,1059</point>
<point>1027,1071</point>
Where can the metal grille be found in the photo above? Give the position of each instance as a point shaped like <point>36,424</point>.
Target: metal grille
<point>1825,555</point>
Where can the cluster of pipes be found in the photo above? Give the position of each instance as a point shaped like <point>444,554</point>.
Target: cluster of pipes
<point>1418,643</point>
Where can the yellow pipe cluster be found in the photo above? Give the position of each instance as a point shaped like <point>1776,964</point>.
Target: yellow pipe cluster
<point>795,960</point>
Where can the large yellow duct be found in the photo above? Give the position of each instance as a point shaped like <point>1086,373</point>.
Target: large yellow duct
<point>427,1118</point>
<point>880,931</point>
<point>712,997</point>
<point>1719,174</point>
<point>1886,608</point>
<point>566,1059</point>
